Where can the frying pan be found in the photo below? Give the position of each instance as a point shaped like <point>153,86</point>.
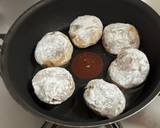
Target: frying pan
<point>18,65</point>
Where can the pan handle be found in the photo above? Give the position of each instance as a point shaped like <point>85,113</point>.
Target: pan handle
<point>2,36</point>
<point>50,125</point>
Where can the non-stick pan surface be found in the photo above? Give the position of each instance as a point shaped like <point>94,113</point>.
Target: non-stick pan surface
<point>19,66</point>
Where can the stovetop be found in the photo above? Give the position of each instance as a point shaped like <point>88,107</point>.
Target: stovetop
<point>13,116</point>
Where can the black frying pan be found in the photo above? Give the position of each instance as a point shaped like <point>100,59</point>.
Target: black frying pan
<point>18,65</point>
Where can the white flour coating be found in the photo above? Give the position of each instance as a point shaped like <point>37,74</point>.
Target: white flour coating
<point>86,31</point>
<point>53,85</point>
<point>54,49</point>
<point>130,68</point>
<point>104,98</point>
<point>119,36</point>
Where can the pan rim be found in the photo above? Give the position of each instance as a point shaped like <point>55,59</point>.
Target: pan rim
<point>32,110</point>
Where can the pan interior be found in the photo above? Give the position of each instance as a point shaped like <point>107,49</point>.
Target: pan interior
<point>57,15</point>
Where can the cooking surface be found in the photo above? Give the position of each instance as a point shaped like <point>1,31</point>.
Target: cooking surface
<point>13,116</point>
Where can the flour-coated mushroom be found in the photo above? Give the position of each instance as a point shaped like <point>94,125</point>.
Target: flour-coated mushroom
<point>86,31</point>
<point>54,49</point>
<point>104,98</point>
<point>53,85</point>
<point>118,36</point>
<point>129,69</point>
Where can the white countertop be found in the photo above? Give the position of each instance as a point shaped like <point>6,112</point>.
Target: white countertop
<point>13,116</point>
